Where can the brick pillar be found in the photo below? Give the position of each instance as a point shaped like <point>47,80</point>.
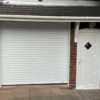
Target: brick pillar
<point>73,56</point>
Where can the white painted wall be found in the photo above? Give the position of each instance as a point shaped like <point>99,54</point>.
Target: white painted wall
<point>89,2</point>
<point>44,2</point>
<point>53,2</point>
<point>1,0</point>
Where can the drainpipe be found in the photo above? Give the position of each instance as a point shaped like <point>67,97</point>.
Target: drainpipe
<point>76,31</point>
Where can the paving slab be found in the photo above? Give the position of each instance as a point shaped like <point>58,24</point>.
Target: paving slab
<point>38,93</point>
<point>5,95</point>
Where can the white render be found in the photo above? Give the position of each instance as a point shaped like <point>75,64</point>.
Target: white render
<point>35,53</point>
<point>54,2</point>
<point>44,2</point>
<point>88,60</point>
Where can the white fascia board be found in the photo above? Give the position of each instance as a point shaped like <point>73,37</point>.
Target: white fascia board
<point>48,18</point>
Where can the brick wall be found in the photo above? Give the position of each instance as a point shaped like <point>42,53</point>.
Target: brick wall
<point>73,55</point>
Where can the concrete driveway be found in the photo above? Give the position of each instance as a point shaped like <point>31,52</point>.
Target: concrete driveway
<point>41,92</point>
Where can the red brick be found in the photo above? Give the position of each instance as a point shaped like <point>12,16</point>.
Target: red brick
<point>73,55</point>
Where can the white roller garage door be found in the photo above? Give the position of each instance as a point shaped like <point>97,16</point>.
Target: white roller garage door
<point>34,53</point>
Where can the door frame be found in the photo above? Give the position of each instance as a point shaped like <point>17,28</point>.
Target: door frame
<point>78,64</point>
